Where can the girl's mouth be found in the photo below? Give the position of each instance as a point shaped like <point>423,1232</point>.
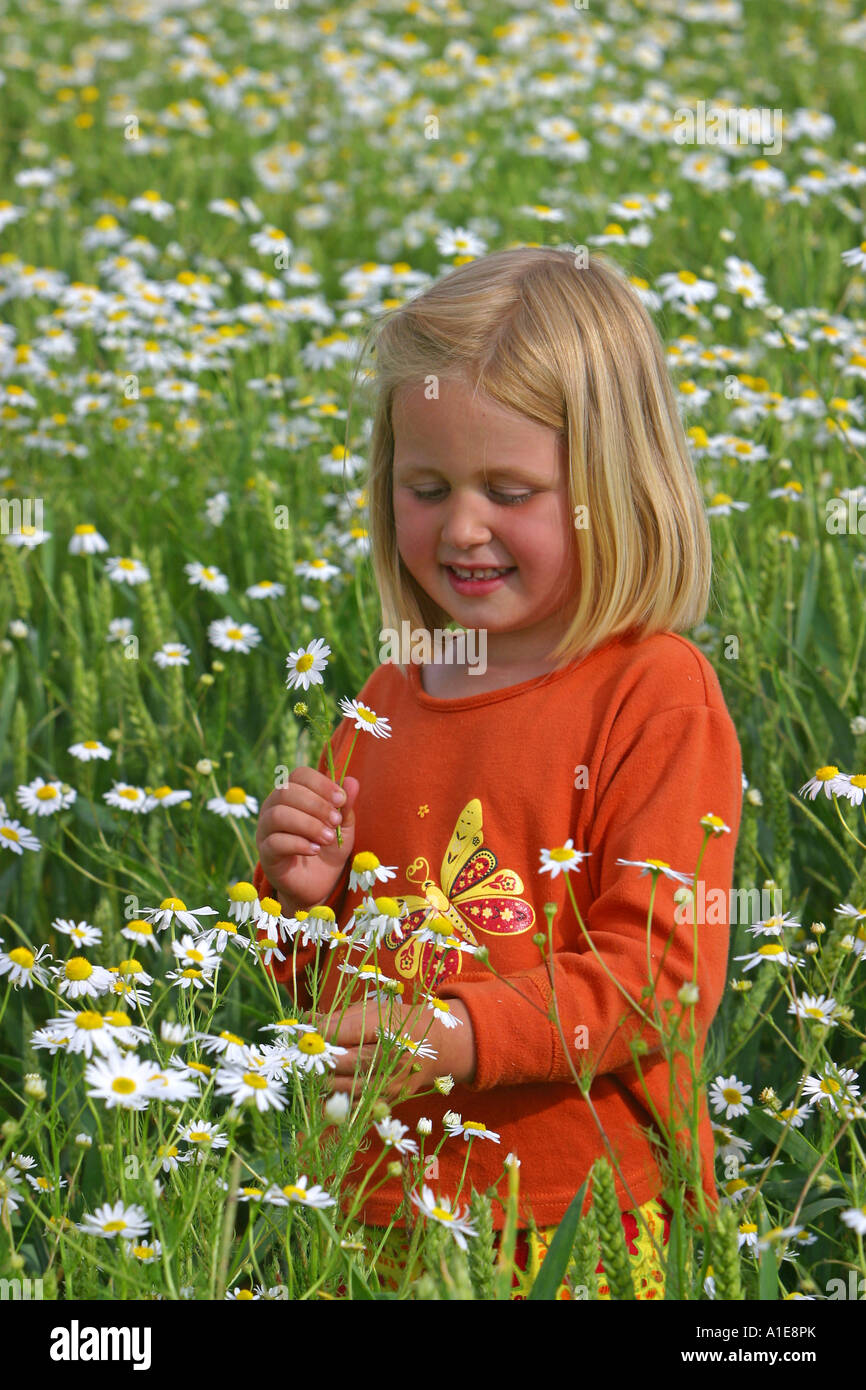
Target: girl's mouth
<point>474,580</point>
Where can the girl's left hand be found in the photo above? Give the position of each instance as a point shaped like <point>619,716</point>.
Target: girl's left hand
<point>358,1032</point>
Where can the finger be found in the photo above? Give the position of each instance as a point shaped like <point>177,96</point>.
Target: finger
<point>308,816</point>
<point>317,782</point>
<point>355,1059</point>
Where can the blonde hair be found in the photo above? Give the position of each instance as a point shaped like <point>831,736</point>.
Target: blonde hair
<point>572,348</point>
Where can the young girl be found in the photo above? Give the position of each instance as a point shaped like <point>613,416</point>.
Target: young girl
<point>530,480</point>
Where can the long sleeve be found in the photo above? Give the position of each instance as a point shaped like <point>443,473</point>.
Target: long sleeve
<point>654,786</point>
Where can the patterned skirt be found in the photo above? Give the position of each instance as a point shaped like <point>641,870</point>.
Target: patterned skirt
<point>644,1230</point>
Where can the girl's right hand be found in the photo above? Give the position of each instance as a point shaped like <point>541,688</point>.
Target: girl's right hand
<point>296,836</point>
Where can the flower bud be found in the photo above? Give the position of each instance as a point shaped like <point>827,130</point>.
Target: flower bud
<point>444,1085</point>
<point>424,1125</point>
<point>34,1086</point>
<point>337,1108</point>
<point>689,994</point>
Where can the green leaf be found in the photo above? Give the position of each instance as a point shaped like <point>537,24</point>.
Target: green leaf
<point>673,1258</point>
<point>768,1276</point>
<point>793,1143</point>
<point>808,594</point>
<point>555,1263</point>
<point>823,1204</point>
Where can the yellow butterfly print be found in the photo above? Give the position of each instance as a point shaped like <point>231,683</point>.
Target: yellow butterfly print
<point>476,896</point>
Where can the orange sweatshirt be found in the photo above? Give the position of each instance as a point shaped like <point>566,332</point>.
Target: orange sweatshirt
<point>621,753</point>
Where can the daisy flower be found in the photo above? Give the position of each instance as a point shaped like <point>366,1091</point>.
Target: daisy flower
<point>730,1095</point>
<point>29,536</point>
<point>722,504</point>
<point>269,917</point>
<point>855,1217</point>
<point>391,1133</point>
<point>376,919</point>
<point>45,798</point>
<point>80,932</point>
<point>228,1045</point>
<point>165,796</point>
<point>441,1210</point>
<point>242,902</point>
<point>145,1254</point>
<point>853,787</point>
<point>78,978</point>
<point>470,1129</point>
<point>121,570</point>
<point>90,749</point>
<point>119,628</point>
<point>117,1220</point>
<point>856,257</point>
<point>773,926</point>
<point>86,540</point>
<point>207,577</point>
<point>124,797</point>
<point>747,1234</point>
<point>23,966</point>
<point>44,1185</point>
<point>814,1007</point>
<point>407,1043</point>
<point>311,1053</point>
<point>230,636</point>
<point>441,1009</point>
<point>773,951</point>
<point>221,933</point>
<point>82,1031</point>
<point>793,1115</point>
<point>140,933</point>
<point>123,1080</point>
<point>367,871</point>
<point>174,908</point>
<point>365,718</point>
<point>250,1194</point>
<point>172,654</point>
<point>441,933</point>
<point>834,1084</point>
<point>268,1092</point>
<point>204,1135</point>
<point>236,802</point>
<point>305,666</point>
<point>562,859</point>
<point>299,1192</point>
<point>826,779</point>
<point>684,287</point>
<point>266,588</point>
<point>316,569</point>
<point>657,866</point>
<point>17,837</point>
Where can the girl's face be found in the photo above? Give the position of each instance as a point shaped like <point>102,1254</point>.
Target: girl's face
<point>477,486</point>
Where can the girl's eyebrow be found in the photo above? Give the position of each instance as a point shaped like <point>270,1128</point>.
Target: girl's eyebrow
<point>510,472</point>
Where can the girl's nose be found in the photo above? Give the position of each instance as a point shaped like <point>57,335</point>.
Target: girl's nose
<point>465,523</point>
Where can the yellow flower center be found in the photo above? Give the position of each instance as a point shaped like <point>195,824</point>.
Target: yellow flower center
<point>172,905</point>
<point>296,1193</point>
<point>732,1095</point>
<point>829,1086</point>
<point>20,955</point>
<point>140,927</point>
<point>117,1018</point>
<point>255,1080</point>
<point>113,1226</point>
<point>85,529</point>
<point>304,662</point>
<point>826,774</point>
<point>772,948</point>
<point>130,967</point>
<point>89,1020</point>
<point>234,633</point>
<point>476,1125</point>
<point>77,968</point>
<point>561,854</point>
<point>365,862</point>
<point>242,892</point>
<point>442,1215</point>
<point>123,1085</point>
<point>47,793</point>
<point>236,796</point>
<point>387,907</point>
<point>312,1044</point>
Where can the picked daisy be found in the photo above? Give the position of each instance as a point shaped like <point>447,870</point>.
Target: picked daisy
<point>128,1222</point>
<point>230,636</point>
<point>470,1129</point>
<point>174,909</point>
<point>366,871</point>
<point>17,837</point>
<point>365,718</point>
<point>730,1095</point>
<point>305,666</point>
<point>440,1210</point>
<point>121,570</point>
<point>562,859</point>
<point>441,1009</point>
<point>300,1193</point>
<point>236,802</point>
<point>43,798</point>
<point>89,750</point>
<point>207,577</point>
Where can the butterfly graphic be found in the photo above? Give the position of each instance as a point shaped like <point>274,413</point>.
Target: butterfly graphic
<point>475,896</point>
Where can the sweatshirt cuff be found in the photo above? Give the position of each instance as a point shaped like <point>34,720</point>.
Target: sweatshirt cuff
<point>515,1039</point>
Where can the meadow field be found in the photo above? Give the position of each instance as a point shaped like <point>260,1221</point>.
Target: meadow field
<point>204,209</point>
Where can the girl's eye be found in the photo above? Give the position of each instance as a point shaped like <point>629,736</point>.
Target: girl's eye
<point>506,499</point>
